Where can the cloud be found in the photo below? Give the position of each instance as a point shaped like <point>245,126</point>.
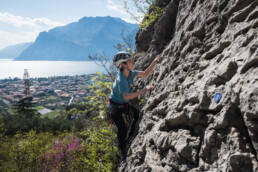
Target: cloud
<point>129,20</point>
<point>116,7</point>
<point>17,29</point>
<point>19,21</point>
<point>10,38</point>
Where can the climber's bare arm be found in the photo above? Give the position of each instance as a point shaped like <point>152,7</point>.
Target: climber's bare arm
<point>129,96</point>
<point>148,71</point>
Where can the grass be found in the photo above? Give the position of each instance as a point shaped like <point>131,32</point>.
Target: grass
<point>51,115</point>
<point>39,107</point>
<point>51,98</point>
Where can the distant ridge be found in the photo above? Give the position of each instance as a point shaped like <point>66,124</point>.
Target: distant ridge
<point>75,41</point>
<point>13,51</point>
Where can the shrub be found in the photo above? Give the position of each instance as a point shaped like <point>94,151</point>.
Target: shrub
<point>26,148</point>
<point>2,128</point>
<point>100,90</point>
<point>60,155</point>
<point>154,13</point>
<point>99,152</point>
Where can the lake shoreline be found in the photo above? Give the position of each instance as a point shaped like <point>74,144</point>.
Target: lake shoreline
<point>49,77</point>
<point>39,69</point>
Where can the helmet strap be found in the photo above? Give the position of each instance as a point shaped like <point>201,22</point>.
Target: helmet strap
<point>127,66</point>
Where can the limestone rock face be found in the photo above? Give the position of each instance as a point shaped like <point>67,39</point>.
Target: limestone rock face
<point>207,47</point>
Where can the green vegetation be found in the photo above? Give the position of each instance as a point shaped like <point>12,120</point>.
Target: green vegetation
<point>76,139</point>
<point>144,12</point>
<point>52,115</point>
<point>139,10</point>
<point>71,138</point>
<point>154,13</point>
<point>51,99</point>
<point>101,88</point>
<point>39,107</point>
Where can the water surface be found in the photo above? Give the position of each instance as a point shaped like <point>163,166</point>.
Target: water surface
<point>10,68</point>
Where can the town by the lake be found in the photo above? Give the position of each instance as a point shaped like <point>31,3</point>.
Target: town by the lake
<point>47,93</point>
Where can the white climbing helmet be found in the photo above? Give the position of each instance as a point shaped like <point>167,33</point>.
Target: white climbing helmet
<point>121,57</point>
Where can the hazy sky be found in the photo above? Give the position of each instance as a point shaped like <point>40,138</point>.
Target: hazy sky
<point>22,20</point>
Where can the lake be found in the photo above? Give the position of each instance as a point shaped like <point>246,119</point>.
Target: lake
<point>10,68</point>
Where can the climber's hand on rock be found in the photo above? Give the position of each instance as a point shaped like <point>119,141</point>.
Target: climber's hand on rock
<point>148,88</point>
<point>157,59</point>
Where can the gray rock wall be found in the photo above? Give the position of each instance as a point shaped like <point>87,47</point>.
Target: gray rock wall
<point>207,47</point>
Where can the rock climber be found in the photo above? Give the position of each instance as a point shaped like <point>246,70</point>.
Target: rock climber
<point>121,94</point>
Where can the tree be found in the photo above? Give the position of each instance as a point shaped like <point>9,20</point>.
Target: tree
<point>100,90</point>
<point>2,128</point>
<point>144,12</point>
<point>25,107</point>
<point>103,61</point>
<point>138,8</point>
<point>106,63</point>
<point>128,44</point>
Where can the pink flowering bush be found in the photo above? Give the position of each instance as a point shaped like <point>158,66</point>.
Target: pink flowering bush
<point>60,155</point>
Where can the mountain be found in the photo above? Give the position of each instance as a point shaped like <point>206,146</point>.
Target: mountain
<point>75,41</point>
<point>13,51</point>
<point>202,115</point>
